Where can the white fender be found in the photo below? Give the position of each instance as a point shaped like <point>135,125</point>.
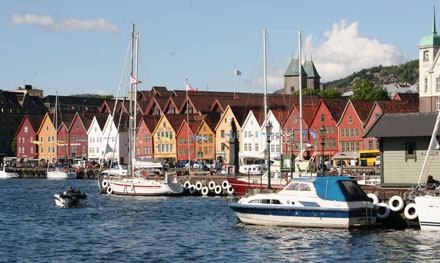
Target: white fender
<point>211,185</point>
<point>374,198</point>
<point>187,185</point>
<point>192,189</point>
<point>230,190</point>
<point>411,211</point>
<point>109,190</point>
<point>225,184</point>
<point>105,184</point>
<point>205,190</point>
<point>396,203</point>
<point>385,213</point>
<point>218,190</point>
<point>199,185</point>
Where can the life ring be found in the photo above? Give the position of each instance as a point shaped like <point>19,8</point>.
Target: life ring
<point>396,203</point>
<point>218,190</point>
<point>373,198</point>
<point>199,185</point>
<point>211,185</point>
<point>225,184</point>
<point>411,211</point>
<point>385,211</point>
<point>230,190</point>
<point>109,190</point>
<point>192,189</point>
<point>105,183</point>
<point>187,185</point>
<point>205,191</point>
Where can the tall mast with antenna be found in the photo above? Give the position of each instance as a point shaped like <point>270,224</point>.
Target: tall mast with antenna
<point>265,78</point>
<point>300,98</point>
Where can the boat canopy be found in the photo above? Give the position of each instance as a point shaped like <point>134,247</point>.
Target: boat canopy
<point>339,188</point>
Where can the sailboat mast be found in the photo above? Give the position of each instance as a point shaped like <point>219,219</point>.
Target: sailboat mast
<point>130,119</point>
<point>265,78</point>
<point>135,103</point>
<point>300,97</point>
<point>187,123</point>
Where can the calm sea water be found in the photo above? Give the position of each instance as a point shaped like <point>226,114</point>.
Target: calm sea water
<point>176,229</point>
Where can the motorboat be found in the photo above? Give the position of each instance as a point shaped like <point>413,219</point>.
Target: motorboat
<point>8,173</point>
<point>142,186</point>
<point>61,173</point>
<point>328,201</point>
<point>70,199</point>
<point>252,169</point>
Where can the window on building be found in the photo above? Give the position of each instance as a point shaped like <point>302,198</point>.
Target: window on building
<point>357,132</point>
<point>222,146</point>
<point>164,124</point>
<point>332,129</point>
<point>322,117</point>
<point>245,147</point>
<point>426,84</point>
<point>437,104</point>
<point>370,145</point>
<point>357,146</point>
<point>342,132</point>
<point>222,133</point>
<point>333,143</point>
<point>294,120</point>
<point>437,84</point>
<point>26,129</point>
<point>426,55</point>
<point>342,146</point>
<point>410,153</point>
<point>256,134</point>
<point>256,147</point>
<point>350,119</point>
<point>352,146</point>
<point>351,132</point>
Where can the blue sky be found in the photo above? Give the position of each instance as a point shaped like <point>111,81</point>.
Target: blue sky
<point>79,46</point>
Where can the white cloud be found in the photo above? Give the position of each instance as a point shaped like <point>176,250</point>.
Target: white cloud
<point>344,51</point>
<point>50,24</point>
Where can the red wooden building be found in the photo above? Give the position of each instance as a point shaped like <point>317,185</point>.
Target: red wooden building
<point>144,137</point>
<point>27,139</point>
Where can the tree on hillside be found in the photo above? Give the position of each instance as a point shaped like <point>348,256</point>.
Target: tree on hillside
<point>107,96</point>
<point>330,94</point>
<point>368,91</point>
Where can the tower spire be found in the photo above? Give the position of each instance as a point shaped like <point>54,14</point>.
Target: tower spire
<point>434,31</point>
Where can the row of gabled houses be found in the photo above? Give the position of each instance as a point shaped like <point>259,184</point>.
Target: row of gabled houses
<point>175,126</point>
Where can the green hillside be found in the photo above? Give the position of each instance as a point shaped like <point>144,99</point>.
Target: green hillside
<point>403,73</point>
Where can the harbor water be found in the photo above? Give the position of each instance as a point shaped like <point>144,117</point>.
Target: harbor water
<point>176,229</point>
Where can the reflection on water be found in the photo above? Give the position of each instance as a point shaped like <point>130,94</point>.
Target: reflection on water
<point>166,229</point>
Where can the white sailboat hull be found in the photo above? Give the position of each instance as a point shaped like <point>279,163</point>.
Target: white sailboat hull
<point>51,175</point>
<point>144,187</point>
<point>428,211</point>
<point>7,175</point>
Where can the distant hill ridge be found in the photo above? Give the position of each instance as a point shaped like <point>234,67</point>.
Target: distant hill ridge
<point>403,73</point>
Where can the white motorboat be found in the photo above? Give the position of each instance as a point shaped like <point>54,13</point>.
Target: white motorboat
<point>252,169</point>
<point>8,173</point>
<point>68,200</point>
<point>334,201</point>
<point>61,174</point>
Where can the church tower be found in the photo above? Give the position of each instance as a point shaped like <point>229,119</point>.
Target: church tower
<point>291,77</point>
<point>429,73</point>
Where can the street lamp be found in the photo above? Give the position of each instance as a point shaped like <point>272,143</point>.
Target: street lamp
<point>322,133</point>
<point>268,132</point>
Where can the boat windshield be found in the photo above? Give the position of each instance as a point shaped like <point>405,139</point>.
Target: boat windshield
<point>352,191</point>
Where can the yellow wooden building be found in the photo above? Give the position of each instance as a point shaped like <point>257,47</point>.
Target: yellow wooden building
<point>47,135</point>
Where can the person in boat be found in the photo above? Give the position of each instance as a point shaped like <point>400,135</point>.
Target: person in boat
<point>70,190</point>
<point>431,183</point>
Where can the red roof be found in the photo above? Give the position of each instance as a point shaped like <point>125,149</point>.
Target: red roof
<point>362,108</point>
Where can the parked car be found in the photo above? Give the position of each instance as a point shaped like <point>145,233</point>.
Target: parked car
<point>181,163</point>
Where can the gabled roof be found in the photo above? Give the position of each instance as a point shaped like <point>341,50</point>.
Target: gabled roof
<point>404,125</point>
<point>413,97</point>
<point>212,119</point>
<point>336,107</point>
<point>362,108</point>
<point>34,120</point>
<point>280,115</point>
<point>151,121</point>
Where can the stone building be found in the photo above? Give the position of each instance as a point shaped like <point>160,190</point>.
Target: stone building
<point>310,78</point>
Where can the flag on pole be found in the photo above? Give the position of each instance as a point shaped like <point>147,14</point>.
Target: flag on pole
<point>134,81</point>
<point>237,72</point>
<point>189,88</point>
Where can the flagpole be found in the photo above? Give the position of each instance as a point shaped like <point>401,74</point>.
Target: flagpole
<point>187,123</point>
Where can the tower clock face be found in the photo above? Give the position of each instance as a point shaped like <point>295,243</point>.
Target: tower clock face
<point>426,55</point>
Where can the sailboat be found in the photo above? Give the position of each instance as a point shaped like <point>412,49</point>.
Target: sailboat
<point>428,201</point>
<point>60,171</point>
<point>137,182</point>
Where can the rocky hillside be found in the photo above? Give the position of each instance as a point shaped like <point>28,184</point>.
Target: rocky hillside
<point>404,73</point>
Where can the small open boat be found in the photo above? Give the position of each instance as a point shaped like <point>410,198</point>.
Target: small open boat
<point>332,201</point>
<point>70,199</point>
<point>8,173</point>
